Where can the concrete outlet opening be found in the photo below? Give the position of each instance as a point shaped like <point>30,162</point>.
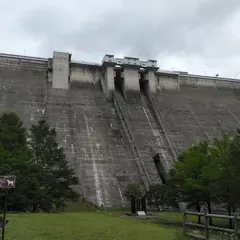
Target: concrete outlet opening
<point>143,83</point>
<point>118,80</point>
<point>160,168</point>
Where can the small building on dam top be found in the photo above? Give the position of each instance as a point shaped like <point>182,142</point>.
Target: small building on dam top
<point>122,121</point>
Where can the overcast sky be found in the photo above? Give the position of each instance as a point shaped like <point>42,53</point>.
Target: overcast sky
<point>198,36</point>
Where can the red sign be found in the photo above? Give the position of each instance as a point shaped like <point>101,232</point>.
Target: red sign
<point>7,181</point>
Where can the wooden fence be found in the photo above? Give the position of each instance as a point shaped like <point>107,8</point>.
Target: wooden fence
<point>206,226</point>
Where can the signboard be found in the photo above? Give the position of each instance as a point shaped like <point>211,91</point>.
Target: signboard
<point>7,181</point>
<point>141,213</point>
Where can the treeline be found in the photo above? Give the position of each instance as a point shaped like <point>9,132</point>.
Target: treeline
<point>43,178</point>
<point>205,174</point>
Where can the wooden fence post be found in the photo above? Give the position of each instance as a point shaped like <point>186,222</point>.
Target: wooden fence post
<point>184,222</point>
<point>235,225</point>
<point>206,221</point>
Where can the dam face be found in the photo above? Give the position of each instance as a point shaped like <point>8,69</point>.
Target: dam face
<point>122,121</point>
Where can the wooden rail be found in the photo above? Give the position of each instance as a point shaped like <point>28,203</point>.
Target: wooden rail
<point>206,226</point>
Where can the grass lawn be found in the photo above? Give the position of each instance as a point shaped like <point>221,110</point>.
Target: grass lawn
<point>84,225</point>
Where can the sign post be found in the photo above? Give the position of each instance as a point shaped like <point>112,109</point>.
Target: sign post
<point>6,182</point>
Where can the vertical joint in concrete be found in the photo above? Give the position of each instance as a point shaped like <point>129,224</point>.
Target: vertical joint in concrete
<point>49,70</point>
<point>61,70</point>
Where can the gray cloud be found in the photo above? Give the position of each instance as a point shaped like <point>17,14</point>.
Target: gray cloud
<point>197,35</point>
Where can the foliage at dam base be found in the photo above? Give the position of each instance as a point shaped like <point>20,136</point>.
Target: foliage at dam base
<point>207,174</point>
<point>44,179</point>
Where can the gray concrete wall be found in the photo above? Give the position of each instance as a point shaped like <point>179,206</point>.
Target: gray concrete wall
<point>131,79</point>
<point>86,122</point>
<point>147,134</point>
<point>94,141</point>
<point>60,74</point>
<point>192,107</point>
<point>17,61</point>
<point>152,79</point>
<point>84,73</point>
<point>172,80</point>
<point>22,87</point>
<point>197,108</point>
<point>205,81</point>
<point>131,88</point>
<point>107,80</point>
<point>167,81</point>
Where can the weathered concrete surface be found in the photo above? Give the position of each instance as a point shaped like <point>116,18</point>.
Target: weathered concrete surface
<point>198,113</point>
<point>84,73</point>
<point>131,78</point>
<point>94,141</point>
<point>108,162</point>
<point>60,74</point>
<point>89,127</point>
<point>22,87</point>
<point>152,81</point>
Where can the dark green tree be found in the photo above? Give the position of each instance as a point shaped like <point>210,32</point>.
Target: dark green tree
<point>57,177</point>
<point>13,135</point>
<point>15,159</point>
<point>226,154</point>
<point>157,196</point>
<point>132,192</point>
<point>194,177</point>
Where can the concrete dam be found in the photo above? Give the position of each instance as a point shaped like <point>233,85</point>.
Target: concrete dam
<point>122,121</point>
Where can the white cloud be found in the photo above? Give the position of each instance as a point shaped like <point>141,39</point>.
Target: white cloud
<point>197,36</point>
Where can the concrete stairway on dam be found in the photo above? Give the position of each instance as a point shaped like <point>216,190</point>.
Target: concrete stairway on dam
<point>95,143</point>
<point>168,139</point>
<point>195,114</point>
<point>147,134</point>
<point>161,144</point>
<point>140,165</point>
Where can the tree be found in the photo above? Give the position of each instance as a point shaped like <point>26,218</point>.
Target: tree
<point>13,136</point>
<point>15,159</point>
<point>133,190</point>
<point>193,178</point>
<point>157,195</point>
<point>57,177</point>
<point>44,179</point>
<point>226,154</point>
<point>132,193</point>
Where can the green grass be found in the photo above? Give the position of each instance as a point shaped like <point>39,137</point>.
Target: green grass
<point>79,206</point>
<point>84,225</point>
